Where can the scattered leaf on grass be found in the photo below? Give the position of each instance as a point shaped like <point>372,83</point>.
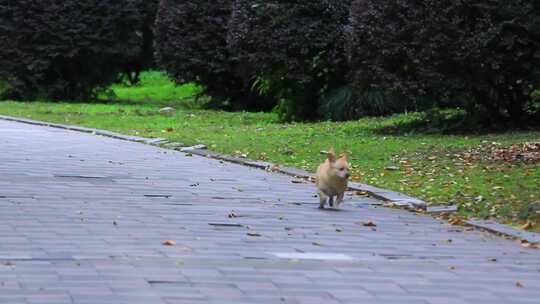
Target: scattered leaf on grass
<point>169,243</point>
<point>189,154</point>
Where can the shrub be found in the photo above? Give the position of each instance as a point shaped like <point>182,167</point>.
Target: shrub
<point>191,46</point>
<point>3,86</point>
<point>292,46</point>
<point>483,53</point>
<point>349,103</point>
<point>66,49</point>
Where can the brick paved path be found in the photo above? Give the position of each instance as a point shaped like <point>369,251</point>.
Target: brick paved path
<point>83,218</point>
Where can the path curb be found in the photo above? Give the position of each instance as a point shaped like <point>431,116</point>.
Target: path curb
<point>394,198</point>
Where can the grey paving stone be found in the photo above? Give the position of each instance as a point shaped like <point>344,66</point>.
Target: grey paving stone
<point>98,240</point>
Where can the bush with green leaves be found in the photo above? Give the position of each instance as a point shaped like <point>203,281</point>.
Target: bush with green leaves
<point>350,103</point>
<point>482,55</point>
<point>291,47</point>
<point>68,49</point>
<point>191,46</point>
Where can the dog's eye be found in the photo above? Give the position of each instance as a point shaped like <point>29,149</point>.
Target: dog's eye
<point>341,169</point>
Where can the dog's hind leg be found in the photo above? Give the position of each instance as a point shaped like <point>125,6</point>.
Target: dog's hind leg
<point>331,201</point>
<point>322,200</point>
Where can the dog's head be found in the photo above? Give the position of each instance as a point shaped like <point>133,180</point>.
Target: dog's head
<point>339,166</point>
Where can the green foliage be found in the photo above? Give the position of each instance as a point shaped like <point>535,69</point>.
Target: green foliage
<point>482,55</point>
<point>293,46</point>
<point>191,46</point>
<point>3,86</point>
<point>349,103</point>
<point>66,50</point>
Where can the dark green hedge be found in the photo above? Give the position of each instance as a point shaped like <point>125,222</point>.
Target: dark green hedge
<point>294,48</point>
<point>191,46</point>
<point>66,49</point>
<point>483,55</point>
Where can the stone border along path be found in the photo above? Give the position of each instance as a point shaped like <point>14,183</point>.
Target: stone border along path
<point>83,219</point>
<point>391,198</point>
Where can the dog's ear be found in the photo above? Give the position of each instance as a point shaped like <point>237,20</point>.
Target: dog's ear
<point>331,155</point>
<point>344,156</point>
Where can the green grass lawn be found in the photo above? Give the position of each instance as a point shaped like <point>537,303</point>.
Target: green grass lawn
<point>154,88</point>
<point>429,166</point>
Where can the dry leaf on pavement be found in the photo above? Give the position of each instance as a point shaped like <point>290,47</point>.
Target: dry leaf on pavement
<point>369,224</point>
<point>528,244</point>
<point>169,243</point>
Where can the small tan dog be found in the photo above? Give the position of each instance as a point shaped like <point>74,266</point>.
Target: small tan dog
<point>331,179</point>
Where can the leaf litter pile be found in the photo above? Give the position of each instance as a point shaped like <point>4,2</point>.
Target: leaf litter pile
<point>527,152</point>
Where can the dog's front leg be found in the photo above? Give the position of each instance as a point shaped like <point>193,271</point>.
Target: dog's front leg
<point>339,199</point>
